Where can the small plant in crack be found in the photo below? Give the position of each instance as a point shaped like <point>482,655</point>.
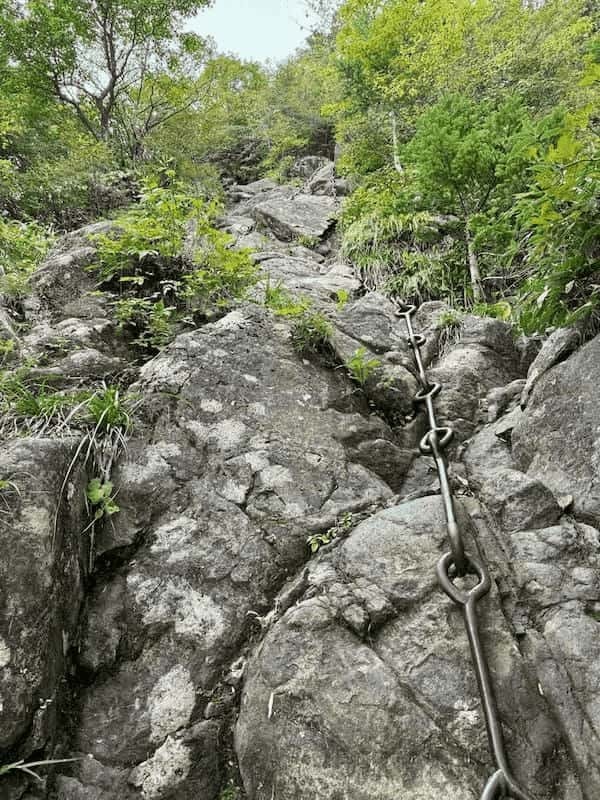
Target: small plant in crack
<point>311,335</point>
<point>340,529</point>
<point>283,303</point>
<point>101,498</point>
<point>308,241</point>
<point>342,297</point>
<point>108,421</point>
<point>449,325</point>
<point>361,367</point>
<point>230,792</point>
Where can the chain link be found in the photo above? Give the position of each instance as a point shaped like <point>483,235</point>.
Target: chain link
<point>457,564</point>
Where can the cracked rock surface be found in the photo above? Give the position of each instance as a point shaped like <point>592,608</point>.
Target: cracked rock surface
<point>207,654</point>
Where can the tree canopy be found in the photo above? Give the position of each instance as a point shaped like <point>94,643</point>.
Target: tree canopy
<point>468,130</point>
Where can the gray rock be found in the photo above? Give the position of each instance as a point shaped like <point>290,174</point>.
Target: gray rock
<point>253,241</point>
<point>41,522</point>
<point>87,363</point>
<point>558,437</point>
<point>555,349</point>
<point>483,358</point>
<point>371,321</point>
<point>558,579</point>
<point>299,251</point>
<point>326,712</point>
<point>308,165</point>
<point>257,187</point>
<point>518,501</point>
<point>360,684</point>
<point>486,452</point>
<point>218,506</point>
<point>343,187</point>
<point>237,226</point>
<point>303,276</point>
<point>322,182</point>
<point>499,399</point>
<point>301,215</point>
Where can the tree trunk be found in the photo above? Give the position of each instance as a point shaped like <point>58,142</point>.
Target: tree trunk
<point>476,284</point>
<point>397,163</point>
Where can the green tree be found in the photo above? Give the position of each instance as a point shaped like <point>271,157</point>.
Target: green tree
<point>557,227</point>
<point>401,56</point>
<point>467,158</point>
<point>116,63</point>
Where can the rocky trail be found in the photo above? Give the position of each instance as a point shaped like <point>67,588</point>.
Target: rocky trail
<point>208,654</point>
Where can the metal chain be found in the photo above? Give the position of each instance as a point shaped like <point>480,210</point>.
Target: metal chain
<point>458,563</point>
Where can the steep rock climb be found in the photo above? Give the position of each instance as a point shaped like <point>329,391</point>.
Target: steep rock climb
<point>205,637</point>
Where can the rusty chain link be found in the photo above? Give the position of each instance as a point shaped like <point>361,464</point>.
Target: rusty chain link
<point>457,564</point>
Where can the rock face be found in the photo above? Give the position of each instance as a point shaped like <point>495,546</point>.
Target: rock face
<point>558,438</point>
<point>41,574</point>
<point>210,653</point>
<point>302,216</point>
<point>360,690</point>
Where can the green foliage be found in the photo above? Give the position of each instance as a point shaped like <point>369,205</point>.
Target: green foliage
<point>361,367</point>
<point>152,320</point>
<point>311,334</point>
<point>340,529</point>
<point>558,223</point>
<point>109,410</point>
<point>501,310</point>
<point>100,496</point>
<point>397,247</point>
<point>293,115</point>
<point>342,298</point>
<point>281,301</point>
<point>307,241</point>
<point>154,229</point>
<point>27,406</point>
<point>22,247</point>
<point>456,110</point>
<point>33,408</point>
<point>464,152</point>
<point>229,793</point>
<point>132,82</point>
<point>167,264</point>
<point>450,319</point>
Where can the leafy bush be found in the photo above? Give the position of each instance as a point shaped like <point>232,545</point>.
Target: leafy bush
<point>558,223</point>
<point>23,245</point>
<point>169,265</point>
<point>397,247</point>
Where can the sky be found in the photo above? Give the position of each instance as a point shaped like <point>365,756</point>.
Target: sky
<point>254,29</point>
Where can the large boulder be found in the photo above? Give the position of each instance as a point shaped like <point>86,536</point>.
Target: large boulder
<point>300,216</point>
<point>558,437</point>
<point>243,457</point>
<point>557,583</point>
<point>322,182</point>
<point>365,690</point>
<point>43,544</point>
<point>304,276</point>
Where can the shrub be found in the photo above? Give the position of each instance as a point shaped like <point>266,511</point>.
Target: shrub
<point>169,265</point>
<point>23,245</point>
<point>559,228</point>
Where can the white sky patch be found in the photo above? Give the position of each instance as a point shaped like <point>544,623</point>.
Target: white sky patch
<point>255,30</point>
